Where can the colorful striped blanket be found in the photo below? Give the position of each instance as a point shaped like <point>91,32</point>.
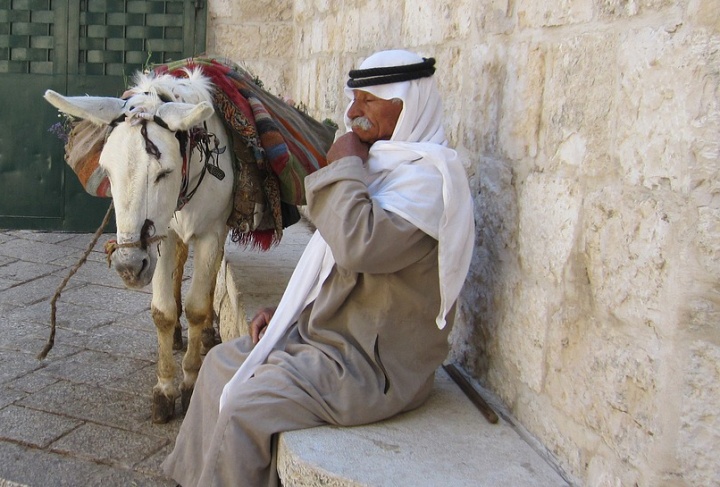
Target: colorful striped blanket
<point>275,147</point>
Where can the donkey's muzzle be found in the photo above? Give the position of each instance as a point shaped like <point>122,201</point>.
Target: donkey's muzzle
<point>134,265</point>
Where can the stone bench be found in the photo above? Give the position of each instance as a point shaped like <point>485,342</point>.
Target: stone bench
<point>446,442</point>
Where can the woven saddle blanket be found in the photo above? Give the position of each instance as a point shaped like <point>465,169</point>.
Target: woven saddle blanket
<point>274,145</point>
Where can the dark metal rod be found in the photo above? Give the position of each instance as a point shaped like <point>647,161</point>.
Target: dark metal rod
<point>471,393</point>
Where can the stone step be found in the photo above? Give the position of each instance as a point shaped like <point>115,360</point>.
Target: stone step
<point>446,442</point>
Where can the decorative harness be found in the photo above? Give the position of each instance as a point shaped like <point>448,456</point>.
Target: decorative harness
<point>196,138</point>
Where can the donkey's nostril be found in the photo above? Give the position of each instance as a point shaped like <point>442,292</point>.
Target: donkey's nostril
<point>144,266</point>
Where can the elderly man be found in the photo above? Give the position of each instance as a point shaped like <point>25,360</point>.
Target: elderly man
<point>362,325</point>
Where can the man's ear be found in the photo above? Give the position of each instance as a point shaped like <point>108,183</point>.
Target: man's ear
<point>182,116</point>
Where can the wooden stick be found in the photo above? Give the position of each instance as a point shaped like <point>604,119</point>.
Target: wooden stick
<point>471,393</point>
<point>56,296</point>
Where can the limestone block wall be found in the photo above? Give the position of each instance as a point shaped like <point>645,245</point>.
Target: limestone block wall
<point>260,35</point>
<point>592,134</point>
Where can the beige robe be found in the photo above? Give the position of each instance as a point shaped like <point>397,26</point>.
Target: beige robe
<point>364,350</point>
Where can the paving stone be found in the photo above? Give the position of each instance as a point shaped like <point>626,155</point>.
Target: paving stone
<point>189,268</point>
<point>9,395</point>
<point>103,297</point>
<point>19,271</point>
<point>96,256</point>
<point>30,337</point>
<point>42,236</point>
<point>126,342</point>
<point>33,345</point>
<point>33,251</point>
<point>92,403</point>
<point>6,283</point>
<point>169,430</point>
<point>67,342</point>
<point>108,445</point>
<point>6,308</point>
<point>32,427</point>
<point>31,383</point>
<point>32,467</point>
<point>142,322</point>
<point>6,236</point>
<point>91,367</point>
<point>14,326</point>
<point>81,241</point>
<point>67,315</point>
<point>14,365</point>
<point>143,380</point>
<point>153,463</point>
<point>94,273</point>
<point>129,478</point>
<point>31,292</point>
<point>4,259</point>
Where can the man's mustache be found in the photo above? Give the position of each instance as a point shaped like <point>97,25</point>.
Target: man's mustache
<point>361,122</point>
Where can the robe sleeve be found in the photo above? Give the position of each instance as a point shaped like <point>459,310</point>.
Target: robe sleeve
<point>363,237</point>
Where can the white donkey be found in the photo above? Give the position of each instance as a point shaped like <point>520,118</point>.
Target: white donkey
<point>149,174</point>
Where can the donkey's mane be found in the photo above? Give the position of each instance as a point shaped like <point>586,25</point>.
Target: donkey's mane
<point>194,88</point>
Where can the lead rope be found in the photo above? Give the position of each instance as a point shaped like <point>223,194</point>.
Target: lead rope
<point>53,303</point>
<point>111,246</point>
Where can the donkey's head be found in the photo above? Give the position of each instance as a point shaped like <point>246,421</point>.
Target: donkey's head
<point>143,159</point>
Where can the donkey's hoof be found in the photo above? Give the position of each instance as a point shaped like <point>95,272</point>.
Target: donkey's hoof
<point>177,339</point>
<point>163,408</point>
<point>208,340</point>
<point>185,396</point>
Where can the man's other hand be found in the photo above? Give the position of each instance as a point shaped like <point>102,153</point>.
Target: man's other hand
<point>346,145</point>
<point>259,324</point>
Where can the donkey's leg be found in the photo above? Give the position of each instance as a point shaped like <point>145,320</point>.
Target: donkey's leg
<point>181,255</point>
<point>165,315</point>
<point>199,306</point>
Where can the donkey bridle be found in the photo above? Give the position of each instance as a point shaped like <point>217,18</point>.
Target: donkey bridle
<point>196,138</point>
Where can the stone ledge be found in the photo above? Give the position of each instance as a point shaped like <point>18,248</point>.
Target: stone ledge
<point>445,442</point>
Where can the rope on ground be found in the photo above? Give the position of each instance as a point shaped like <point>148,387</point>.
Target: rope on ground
<point>76,267</point>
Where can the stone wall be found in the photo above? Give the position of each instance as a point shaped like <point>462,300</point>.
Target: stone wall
<point>592,131</point>
<point>259,35</point>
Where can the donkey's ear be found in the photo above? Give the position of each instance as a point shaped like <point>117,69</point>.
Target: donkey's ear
<point>182,116</point>
<point>99,110</point>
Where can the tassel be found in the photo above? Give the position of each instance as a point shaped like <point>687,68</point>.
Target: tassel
<point>262,240</point>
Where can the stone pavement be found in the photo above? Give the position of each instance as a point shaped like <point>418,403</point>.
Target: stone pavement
<point>81,417</point>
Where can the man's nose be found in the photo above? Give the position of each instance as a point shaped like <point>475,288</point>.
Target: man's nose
<point>354,112</point>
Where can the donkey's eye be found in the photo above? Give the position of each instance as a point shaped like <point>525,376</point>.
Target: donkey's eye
<point>162,176</point>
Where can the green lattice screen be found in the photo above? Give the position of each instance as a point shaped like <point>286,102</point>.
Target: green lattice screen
<point>114,34</point>
<point>27,42</point>
<point>73,47</point>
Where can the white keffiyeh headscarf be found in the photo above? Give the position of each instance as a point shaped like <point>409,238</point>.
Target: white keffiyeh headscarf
<point>406,173</point>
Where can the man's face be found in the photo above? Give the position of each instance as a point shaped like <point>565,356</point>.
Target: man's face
<point>373,118</point>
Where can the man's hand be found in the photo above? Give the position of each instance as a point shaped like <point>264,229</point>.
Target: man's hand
<point>259,323</point>
<point>348,145</point>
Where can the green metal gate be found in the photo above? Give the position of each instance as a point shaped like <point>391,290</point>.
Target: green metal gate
<point>74,47</point>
